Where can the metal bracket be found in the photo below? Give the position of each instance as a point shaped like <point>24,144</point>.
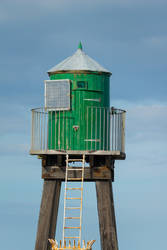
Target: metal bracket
<point>75,127</point>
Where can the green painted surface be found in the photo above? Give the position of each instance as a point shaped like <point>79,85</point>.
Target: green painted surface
<point>84,126</point>
<point>80,46</point>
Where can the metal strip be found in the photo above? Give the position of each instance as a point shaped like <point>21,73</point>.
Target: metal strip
<point>93,100</point>
<point>118,131</point>
<point>64,131</point>
<point>104,130</point>
<point>87,127</point>
<point>47,129</point>
<point>59,140</point>
<point>71,131</point>
<point>112,115</point>
<point>55,129</point>
<point>32,131</point>
<point>91,125</point>
<point>96,129</point>
<point>66,137</point>
<point>44,143</point>
<point>115,132</point>
<point>93,140</point>
<point>41,130</point>
<point>123,132</point>
<point>100,131</point>
<point>107,126</point>
<point>51,129</point>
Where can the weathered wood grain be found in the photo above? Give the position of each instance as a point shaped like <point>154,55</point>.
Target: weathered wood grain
<point>107,224</point>
<point>101,171</point>
<point>48,214</point>
<point>90,174</point>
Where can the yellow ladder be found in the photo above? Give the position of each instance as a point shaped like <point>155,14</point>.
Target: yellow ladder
<point>70,200</point>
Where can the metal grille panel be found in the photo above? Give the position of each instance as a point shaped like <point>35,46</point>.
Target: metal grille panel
<point>57,94</point>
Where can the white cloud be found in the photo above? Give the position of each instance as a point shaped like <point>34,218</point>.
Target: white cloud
<point>145,147</point>
<point>147,122</point>
<point>146,134</point>
<point>155,41</point>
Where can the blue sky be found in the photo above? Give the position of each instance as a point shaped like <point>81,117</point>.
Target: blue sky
<point>128,37</point>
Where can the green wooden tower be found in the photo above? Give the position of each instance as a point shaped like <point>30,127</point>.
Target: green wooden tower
<point>79,88</point>
<point>75,125</point>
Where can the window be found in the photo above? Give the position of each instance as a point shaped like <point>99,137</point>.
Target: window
<point>57,94</point>
<point>82,85</point>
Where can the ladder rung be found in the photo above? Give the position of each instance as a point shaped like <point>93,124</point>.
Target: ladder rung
<point>74,179</point>
<point>73,188</point>
<point>75,160</point>
<point>72,227</point>
<point>72,208</point>
<point>71,237</point>
<point>71,218</point>
<point>71,166</point>
<point>75,169</point>
<point>73,198</point>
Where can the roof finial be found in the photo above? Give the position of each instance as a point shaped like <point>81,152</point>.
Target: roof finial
<point>80,45</point>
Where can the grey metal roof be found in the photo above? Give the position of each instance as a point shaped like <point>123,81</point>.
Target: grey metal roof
<point>78,61</point>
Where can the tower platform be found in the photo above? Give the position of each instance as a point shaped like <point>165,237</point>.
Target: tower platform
<point>114,154</point>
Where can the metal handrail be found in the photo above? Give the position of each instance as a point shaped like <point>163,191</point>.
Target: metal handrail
<point>107,136</point>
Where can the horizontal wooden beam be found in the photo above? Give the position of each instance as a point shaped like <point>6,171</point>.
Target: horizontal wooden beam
<point>115,154</point>
<point>90,174</point>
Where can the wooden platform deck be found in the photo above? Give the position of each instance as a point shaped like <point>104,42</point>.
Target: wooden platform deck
<point>115,154</point>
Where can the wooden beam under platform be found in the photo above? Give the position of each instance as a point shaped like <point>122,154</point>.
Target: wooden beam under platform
<point>101,168</point>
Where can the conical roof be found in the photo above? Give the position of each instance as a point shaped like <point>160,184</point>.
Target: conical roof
<point>78,61</point>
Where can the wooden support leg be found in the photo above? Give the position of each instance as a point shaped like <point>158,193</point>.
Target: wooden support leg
<point>48,214</point>
<point>107,224</point>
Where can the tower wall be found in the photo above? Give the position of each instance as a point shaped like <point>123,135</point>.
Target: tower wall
<point>82,127</point>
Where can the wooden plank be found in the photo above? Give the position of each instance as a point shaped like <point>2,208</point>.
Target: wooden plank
<point>106,214</point>
<point>91,161</point>
<point>90,174</point>
<point>115,154</point>
<point>48,214</point>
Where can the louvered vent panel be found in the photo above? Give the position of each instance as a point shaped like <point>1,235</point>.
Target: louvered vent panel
<point>57,94</point>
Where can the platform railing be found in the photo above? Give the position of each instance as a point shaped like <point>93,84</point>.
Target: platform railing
<point>104,130</point>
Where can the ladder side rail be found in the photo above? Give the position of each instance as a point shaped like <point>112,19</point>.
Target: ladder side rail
<point>83,167</point>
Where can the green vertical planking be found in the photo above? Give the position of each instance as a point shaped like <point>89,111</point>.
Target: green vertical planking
<point>86,120</point>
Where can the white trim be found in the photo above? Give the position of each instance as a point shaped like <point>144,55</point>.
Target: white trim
<point>93,100</point>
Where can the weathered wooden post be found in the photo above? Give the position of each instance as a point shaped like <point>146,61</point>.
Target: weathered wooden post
<point>77,124</point>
